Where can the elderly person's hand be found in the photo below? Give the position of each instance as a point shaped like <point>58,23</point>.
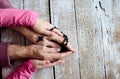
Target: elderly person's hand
<point>46,53</point>
<point>37,52</point>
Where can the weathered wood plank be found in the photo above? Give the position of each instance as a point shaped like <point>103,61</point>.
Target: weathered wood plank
<point>9,35</point>
<point>90,40</point>
<point>110,18</point>
<point>63,16</point>
<point>42,7</point>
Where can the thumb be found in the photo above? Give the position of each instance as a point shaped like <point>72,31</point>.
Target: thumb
<point>42,31</point>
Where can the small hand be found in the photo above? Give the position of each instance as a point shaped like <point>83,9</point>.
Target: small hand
<point>34,36</point>
<point>40,64</point>
<point>44,27</point>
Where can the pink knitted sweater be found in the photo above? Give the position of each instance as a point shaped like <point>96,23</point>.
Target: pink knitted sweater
<point>14,18</point>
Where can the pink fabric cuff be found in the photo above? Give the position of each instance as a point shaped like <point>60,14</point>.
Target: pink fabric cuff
<point>17,17</point>
<point>4,58</point>
<point>23,72</point>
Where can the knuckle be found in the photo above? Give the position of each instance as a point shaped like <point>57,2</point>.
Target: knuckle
<point>58,49</point>
<point>59,56</point>
<point>43,56</point>
<point>44,63</point>
<point>52,34</point>
<point>35,37</point>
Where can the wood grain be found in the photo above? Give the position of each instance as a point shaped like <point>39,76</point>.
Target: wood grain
<point>93,29</point>
<point>90,41</point>
<point>41,6</point>
<point>9,35</point>
<point>111,20</point>
<point>63,16</point>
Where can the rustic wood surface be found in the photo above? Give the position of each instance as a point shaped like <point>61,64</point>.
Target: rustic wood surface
<point>90,42</point>
<point>93,28</point>
<point>63,16</point>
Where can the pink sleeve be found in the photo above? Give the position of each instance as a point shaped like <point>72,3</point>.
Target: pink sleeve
<point>4,58</point>
<point>17,17</point>
<point>23,72</point>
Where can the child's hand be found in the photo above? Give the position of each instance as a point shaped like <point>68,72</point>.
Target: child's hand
<point>34,37</point>
<point>44,27</point>
<point>40,64</point>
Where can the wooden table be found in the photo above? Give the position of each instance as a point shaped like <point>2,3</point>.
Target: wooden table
<point>93,27</point>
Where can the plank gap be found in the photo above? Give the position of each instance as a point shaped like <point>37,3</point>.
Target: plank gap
<point>103,48</point>
<point>54,75</point>
<point>23,4</point>
<point>49,12</point>
<point>54,72</point>
<point>77,35</point>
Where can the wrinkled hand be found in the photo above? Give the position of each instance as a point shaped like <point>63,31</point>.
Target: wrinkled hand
<point>36,52</point>
<point>46,53</point>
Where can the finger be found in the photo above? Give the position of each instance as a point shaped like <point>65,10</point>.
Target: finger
<point>59,40</point>
<point>56,38</point>
<point>46,32</point>
<point>70,48</point>
<point>64,54</point>
<point>52,50</point>
<point>41,27</point>
<point>41,63</point>
<point>53,63</point>
<point>57,32</point>
<point>51,44</point>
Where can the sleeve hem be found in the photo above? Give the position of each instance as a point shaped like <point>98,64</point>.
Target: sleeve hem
<point>34,18</point>
<point>8,57</point>
<point>31,65</point>
<point>4,58</point>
